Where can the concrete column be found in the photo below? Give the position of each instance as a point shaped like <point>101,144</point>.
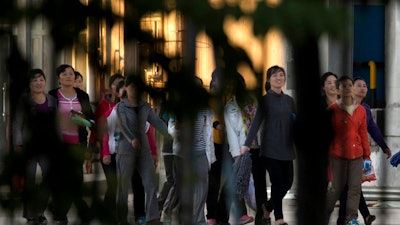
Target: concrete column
<point>392,70</point>
<point>392,111</point>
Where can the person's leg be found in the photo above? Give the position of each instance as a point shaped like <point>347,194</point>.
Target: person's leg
<point>342,207</point>
<point>214,183</point>
<point>354,182</point>
<point>138,196</point>
<point>172,200</point>
<point>228,192</point>
<point>287,175</point>
<point>61,185</point>
<point>29,196</point>
<point>44,188</point>
<point>274,173</point>
<point>260,186</point>
<point>281,177</point>
<point>173,196</point>
<point>109,202</point>
<point>333,193</point>
<point>145,167</point>
<point>168,160</point>
<point>244,217</point>
<point>200,188</point>
<point>363,207</point>
<point>125,168</point>
<point>77,187</point>
<point>169,175</point>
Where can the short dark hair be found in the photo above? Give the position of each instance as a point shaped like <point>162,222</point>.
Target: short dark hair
<point>134,79</point>
<point>33,73</point>
<point>343,78</point>
<point>77,74</point>
<point>137,81</point>
<point>61,68</point>
<point>119,85</point>
<point>113,78</point>
<point>272,70</point>
<point>359,78</point>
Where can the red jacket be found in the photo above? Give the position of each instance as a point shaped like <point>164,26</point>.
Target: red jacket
<point>350,139</point>
<point>152,141</point>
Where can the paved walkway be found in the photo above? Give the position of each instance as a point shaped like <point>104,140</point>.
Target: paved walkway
<point>387,212</point>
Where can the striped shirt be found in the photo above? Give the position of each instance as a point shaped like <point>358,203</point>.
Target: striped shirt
<point>69,129</point>
<point>199,132</point>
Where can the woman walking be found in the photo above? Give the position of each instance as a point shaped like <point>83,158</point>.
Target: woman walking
<point>277,113</point>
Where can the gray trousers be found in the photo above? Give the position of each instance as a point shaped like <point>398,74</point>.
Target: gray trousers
<point>126,164</point>
<point>199,185</point>
<point>200,188</point>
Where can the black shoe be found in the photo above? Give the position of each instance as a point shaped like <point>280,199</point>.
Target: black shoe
<point>369,219</point>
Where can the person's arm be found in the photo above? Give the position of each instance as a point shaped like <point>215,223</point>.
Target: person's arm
<point>363,132</point>
<point>158,123</point>
<point>375,132</point>
<point>130,135</point>
<point>100,118</point>
<point>254,127</point>
<point>153,145</point>
<point>17,129</point>
<point>231,133</point>
<point>105,151</point>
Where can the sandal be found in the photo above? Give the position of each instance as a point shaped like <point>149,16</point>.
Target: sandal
<point>369,219</point>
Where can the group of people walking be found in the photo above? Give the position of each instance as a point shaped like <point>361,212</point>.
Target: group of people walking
<point>349,151</point>
<point>250,135</point>
<point>53,129</point>
<point>261,131</point>
<point>45,134</point>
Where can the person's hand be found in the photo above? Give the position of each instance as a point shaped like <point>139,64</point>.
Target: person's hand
<point>135,144</point>
<point>155,159</point>
<point>388,152</point>
<point>367,164</point>
<point>244,149</point>
<point>107,159</point>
